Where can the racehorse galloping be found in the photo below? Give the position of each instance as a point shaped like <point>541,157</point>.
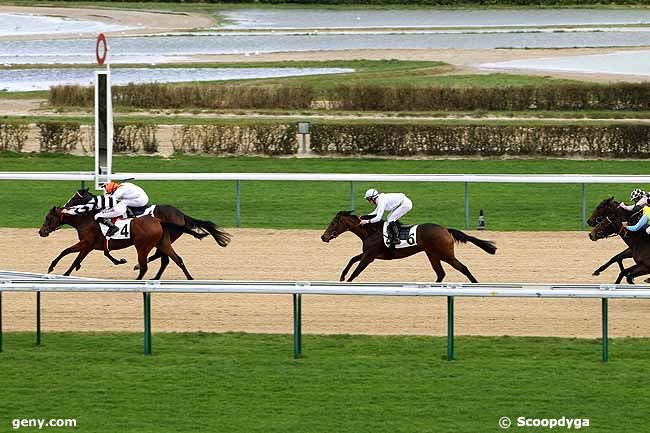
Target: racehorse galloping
<point>170,215</point>
<point>436,241</point>
<point>147,233</point>
<point>606,207</point>
<point>610,219</point>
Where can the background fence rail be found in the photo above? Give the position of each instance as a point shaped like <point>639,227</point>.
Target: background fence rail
<point>466,179</point>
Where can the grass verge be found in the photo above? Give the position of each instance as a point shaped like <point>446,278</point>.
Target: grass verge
<point>249,383</point>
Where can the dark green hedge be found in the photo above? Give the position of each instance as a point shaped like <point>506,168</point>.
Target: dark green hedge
<point>618,96</point>
<point>618,141</point>
<point>237,139</point>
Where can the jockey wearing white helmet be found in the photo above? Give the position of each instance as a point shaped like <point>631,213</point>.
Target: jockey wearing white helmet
<point>397,204</point>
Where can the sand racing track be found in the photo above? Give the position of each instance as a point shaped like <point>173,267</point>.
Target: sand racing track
<point>553,257</point>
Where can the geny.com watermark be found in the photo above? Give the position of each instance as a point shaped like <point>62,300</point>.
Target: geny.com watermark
<point>551,423</point>
<point>41,423</point>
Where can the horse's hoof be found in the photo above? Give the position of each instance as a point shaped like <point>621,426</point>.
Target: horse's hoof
<point>342,279</point>
<point>50,269</point>
<point>595,273</point>
<point>136,268</point>
<point>121,262</point>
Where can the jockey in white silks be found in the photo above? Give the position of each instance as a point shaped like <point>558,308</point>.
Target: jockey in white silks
<point>114,204</point>
<point>397,204</point>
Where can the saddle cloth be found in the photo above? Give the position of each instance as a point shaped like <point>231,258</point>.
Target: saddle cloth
<point>124,228</point>
<point>406,236</point>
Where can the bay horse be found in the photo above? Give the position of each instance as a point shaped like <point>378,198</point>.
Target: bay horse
<point>167,214</point>
<point>436,241</point>
<point>604,208</point>
<point>610,219</point>
<point>147,233</point>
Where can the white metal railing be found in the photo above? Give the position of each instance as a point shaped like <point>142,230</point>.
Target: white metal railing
<point>519,290</point>
<point>24,283</point>
<point>346,177</point>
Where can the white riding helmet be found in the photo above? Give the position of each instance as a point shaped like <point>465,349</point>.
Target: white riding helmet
<point>371,193</point>
<point>636,194</point>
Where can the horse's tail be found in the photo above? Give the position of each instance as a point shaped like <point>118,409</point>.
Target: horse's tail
<point>487,246</point>
<point>222,238</point>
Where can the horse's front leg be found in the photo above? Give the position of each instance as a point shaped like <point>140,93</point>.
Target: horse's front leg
<point>635,271</point>
<point>352,261</point>
<point>363,264</point>
<point>73,249</point>
<point>618,258</point>
<point>77,262</point>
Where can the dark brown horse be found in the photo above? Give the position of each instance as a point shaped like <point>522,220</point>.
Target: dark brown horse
<point>609,218</point>
<point>604,208</point>
<point>147,233</point>
<point>436,241</point>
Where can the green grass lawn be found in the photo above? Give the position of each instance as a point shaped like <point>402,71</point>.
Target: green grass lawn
<point>200,382</point>
<point>313,204</point>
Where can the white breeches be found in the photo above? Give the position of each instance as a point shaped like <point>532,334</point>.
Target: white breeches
<point>400,210</point>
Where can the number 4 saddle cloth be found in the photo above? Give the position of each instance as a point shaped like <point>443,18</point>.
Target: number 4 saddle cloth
<point>407,236</point>
<point>123,226</point>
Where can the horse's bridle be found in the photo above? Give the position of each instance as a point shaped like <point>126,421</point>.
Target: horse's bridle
<point>613,224</point>
<point>334,234</point>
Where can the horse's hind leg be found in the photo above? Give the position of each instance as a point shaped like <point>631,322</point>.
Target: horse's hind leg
<point>164,261</point>
<point>437,267</point>
<point>142,261</point>
<point>165,248</point>
<point>154,256</point>
<point>456,264</point>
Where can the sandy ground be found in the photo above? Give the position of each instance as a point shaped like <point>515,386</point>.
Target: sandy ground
<point>567,257</point>
<point>146,22</point>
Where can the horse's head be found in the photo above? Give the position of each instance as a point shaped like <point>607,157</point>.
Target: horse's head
<point>53,221</point>
<point>82,196</point>
<point>341,223</point>
<point>609,225</point>
<point>606,208</point>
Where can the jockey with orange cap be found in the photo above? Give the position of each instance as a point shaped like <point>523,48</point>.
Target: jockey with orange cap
<point>114,204</point>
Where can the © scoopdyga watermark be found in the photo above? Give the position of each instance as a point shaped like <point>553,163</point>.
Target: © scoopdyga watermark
<point>41,423</point>
<point>550,423</point>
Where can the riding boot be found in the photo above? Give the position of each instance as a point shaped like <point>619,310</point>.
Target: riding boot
<point>393,234</point>
<point>112,228</point>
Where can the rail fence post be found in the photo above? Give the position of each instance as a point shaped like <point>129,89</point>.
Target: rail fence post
<point>352,196</point>
<point>450,328</point>
<point>466,205</point>
<point>237,203</point>
<point>605,348</point>
<point>584,206</point>
<point>147,323</point>
<point>297,331</point>
<point>38,318</point>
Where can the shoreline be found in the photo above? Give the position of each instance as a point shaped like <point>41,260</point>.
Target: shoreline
<point>156,21</point>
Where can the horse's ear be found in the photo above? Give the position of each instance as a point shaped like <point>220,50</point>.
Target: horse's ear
<point>85,189</point>
<point>611,198</point>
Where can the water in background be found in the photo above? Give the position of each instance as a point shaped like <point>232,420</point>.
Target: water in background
<point>157,49</point>
<point>42,79</point>
<point>621,62</point>
<point>313,19</point>
<point>14,24</point>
